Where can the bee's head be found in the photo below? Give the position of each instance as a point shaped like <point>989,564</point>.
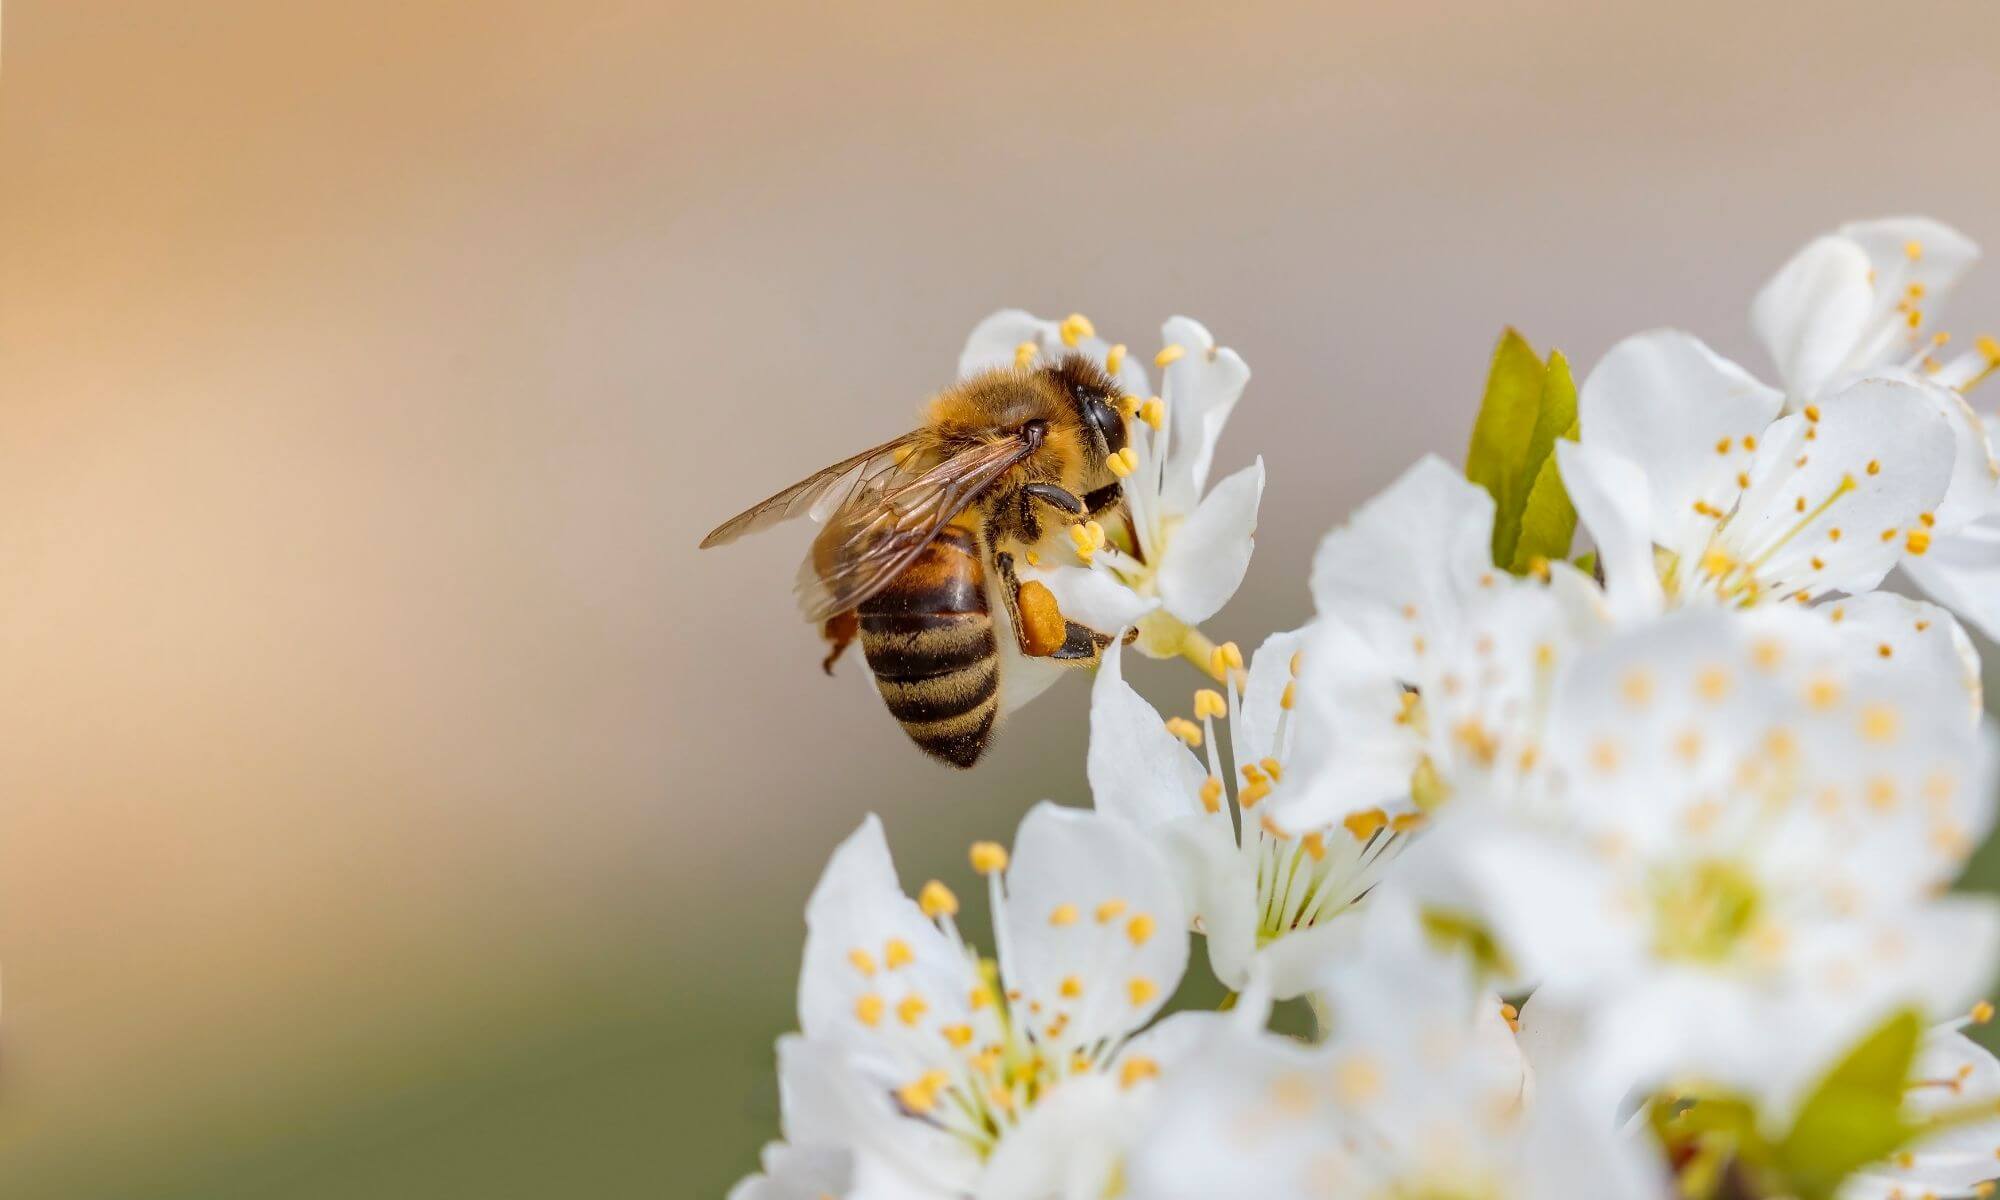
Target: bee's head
<point>1095,395</point>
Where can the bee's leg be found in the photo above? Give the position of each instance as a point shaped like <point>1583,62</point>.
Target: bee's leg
<point>839,631</point>
<point>1039,625</point>
<point>1095,502</point>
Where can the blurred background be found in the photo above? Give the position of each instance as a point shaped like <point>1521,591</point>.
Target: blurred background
<point>395,802</point>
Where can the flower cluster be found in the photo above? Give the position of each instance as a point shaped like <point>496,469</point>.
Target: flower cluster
<point>1614,874</point>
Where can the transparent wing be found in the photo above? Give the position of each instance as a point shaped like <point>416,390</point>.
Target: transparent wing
<point>871,538</point>
<point>819,493</point>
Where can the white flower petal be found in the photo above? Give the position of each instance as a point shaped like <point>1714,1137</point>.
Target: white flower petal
<point>1962,572</point>
<point>993,342</point>
<point>1612,500</point>
<point>1812,313</point>
<point>1128,947</point>
<point>1205,561</point>
<point>1138,771</point>
<point>798,1173</point>
<point>1070,1145</point>
<point>1199,389</point>
<point>1668,402</point>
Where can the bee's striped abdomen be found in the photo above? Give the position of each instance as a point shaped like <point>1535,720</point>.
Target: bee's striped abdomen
<point>928,636</point>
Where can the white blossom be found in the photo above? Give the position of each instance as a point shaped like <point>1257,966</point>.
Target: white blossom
<point>1266,899</point>
<point>1953,1075</point>
<point>1183,549</point>
<point>1865,301</point>
<point>946,1074</point>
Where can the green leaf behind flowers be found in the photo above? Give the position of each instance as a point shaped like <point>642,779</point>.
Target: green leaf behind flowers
<point>1529,404</point>
<point>1855,1116</point>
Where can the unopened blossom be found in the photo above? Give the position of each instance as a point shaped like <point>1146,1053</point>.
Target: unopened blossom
<point>1954,1076</point>
<point>1418,1091</point>
<point>946,1074</point>
<point>1744,830</point>
<point>1180,549</point>
<point>1267,899</point>
<point>1428,669</point>
<point>1698,491</point>
<point>1867,301</point>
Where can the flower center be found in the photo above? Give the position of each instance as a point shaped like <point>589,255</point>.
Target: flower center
<point>1701,913</point>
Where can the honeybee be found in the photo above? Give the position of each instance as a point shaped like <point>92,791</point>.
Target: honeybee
<point>919,531</point>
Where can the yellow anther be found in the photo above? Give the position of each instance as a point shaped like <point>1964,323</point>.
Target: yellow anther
<point>1743,479</point>
<point>1123,463</point>
<point>897,953</point>
<point>1169,354</point>
<point>1315,844</point>
<point>980,997</point>
<point>1704,508</point>
<point>1604,755</point>
<point>1982,1012</point>
<point>1405,822</point>
<point>1079,1062</point>
<point>1074,328</point>
<point>1063,914</point>
<point>1128,406</point>
<point>1209,703</point>
<point>1749,441</point>
<point>937,900</point>
<point>1637,687</point>
<point>1097,535</point>
<point>1139,929</point>
<point>921,1096</point>
<point>1071,988</point>
<point>1913,249</point>
<point>1185,730</point>
<point>1110,911</point>
<point>1989,349</point>
<point>1818,563</point>
<point>1833,534</point>
<point>959,1036</point>
<point>1252,773</point>
<point>1141,990</point>
<point>1712,683</point>
<point>1249,797</point>
<point>868,1009</point>
<point>1358,1079</point>
<point>1273,768</point>
<point>1033,559</point>
<point>1136,1068</point>
<point>1290,696</point>
<point>1024,354</point>
<point>988,857</point>
<point>1718,562</point>
<point>1211,794</point>
<point>1000,1098</point>
<point>862,960</point>
<point>1114,360</point>
<point>1882,793</point>
<point>911,1009</point>
<point>1823,693</point>
<point>1880,723</point>
<point>1812,412</point>
<point>1365,824</point>
<point>1154,413</point>
<point>1407,704</point>
<point>1928,519</point>
<point>1722,447</point>
<point>1918,541</point>
<point>1767,653</point>
<point>1916,318</point>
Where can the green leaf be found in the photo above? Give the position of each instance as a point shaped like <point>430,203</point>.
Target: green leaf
<point>1502,434</point>
<point>1548,520</point>
<point>1855,1116</point>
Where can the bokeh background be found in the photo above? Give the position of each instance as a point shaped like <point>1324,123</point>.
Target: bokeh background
<point>392,801</point>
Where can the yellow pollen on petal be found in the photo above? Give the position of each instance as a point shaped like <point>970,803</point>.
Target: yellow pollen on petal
<point>1918,541</point>
<point>1075,328</point>
<point>1209,703</point>
<point>1211,794</point>
<point>937,900</point>
<point>911,1009</point>
<point>1114,360</point>
<point>1364,824</point>
<point>959,1036</point>
<point>897,953</point>
<point>1812,412</point>
<point>1072,987</point>
<point>1154,413</point>
<point>988,857</point>
<point>1140,990</point>
<point>1139,929</point>
<point>1171,353</point>
<point>1135,1069</point>
<point>1063,914</point>
<point>1110,911</point>
<point>1185,730</point>
<point>868,1009</point>
<point>1024,354</point>
<point>862,960</point>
